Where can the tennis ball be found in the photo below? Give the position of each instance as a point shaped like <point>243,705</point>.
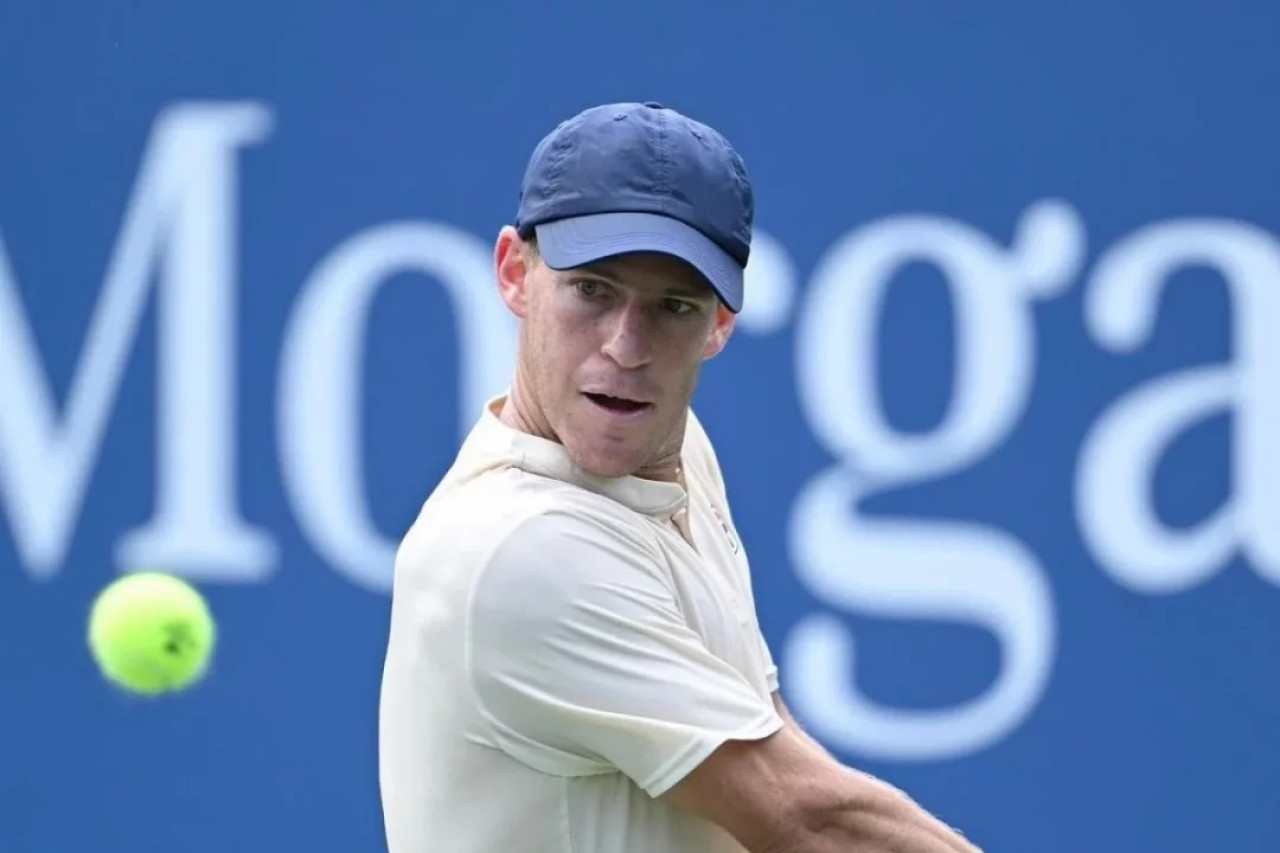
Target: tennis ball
<point>151,633</point>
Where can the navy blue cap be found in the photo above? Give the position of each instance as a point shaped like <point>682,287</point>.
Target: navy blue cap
<point>633,177</point>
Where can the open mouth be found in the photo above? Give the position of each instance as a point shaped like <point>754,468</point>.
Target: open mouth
<point>618,405</point>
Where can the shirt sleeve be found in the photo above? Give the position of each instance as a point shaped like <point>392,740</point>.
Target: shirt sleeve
<point>582,663</point>
<point>771,667</point>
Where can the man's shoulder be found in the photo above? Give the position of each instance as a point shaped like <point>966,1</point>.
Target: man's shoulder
<point>516,512</point>
<point>519,553</point>
<point>492,498</point>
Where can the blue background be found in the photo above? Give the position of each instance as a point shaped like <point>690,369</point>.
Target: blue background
<point>1156,729</point>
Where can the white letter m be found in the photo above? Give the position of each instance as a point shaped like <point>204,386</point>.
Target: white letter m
<point>178,232</point>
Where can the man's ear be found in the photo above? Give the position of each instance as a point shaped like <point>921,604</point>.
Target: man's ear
<point>720,332</point>
<point>512,263</point>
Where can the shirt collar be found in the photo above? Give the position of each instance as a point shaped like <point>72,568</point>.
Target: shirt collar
<point>496,442</point>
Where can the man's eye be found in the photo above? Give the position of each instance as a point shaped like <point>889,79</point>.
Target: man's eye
<point>587,287</point>
<point>679,306</point>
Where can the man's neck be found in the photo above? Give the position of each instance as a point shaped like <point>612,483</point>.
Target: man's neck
<point>518,414</point>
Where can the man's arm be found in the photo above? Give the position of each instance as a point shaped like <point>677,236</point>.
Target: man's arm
<point>785,713</point>
<point>786,794</point>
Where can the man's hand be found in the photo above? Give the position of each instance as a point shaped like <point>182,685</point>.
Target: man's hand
<point>786,794</point>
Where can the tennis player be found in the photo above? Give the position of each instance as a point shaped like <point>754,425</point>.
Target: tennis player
<point>574,662</point>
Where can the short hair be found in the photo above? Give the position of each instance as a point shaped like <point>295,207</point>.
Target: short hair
<point>531,245</point>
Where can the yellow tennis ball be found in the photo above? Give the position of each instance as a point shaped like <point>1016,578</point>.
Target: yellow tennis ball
<point>151,633</point>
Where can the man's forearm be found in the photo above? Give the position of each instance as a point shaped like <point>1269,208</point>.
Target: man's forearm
<point>866,814</point>
<point>863,814</point>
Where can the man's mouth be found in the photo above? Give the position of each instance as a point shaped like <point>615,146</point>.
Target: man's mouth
<point>618,405</point>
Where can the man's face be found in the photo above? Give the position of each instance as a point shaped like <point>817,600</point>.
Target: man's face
<point>610,353</point>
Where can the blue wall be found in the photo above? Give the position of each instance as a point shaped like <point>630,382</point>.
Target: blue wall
<point>999,422</point>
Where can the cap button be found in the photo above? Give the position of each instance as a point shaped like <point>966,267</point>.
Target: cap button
<point>654,105</point>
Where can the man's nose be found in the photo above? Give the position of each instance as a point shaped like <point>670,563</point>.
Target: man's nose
<point>629,341</point>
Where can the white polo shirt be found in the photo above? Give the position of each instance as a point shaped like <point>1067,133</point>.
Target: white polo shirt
<point>560,654</point>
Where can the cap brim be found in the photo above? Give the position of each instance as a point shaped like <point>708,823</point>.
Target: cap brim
<point>573,242</point>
